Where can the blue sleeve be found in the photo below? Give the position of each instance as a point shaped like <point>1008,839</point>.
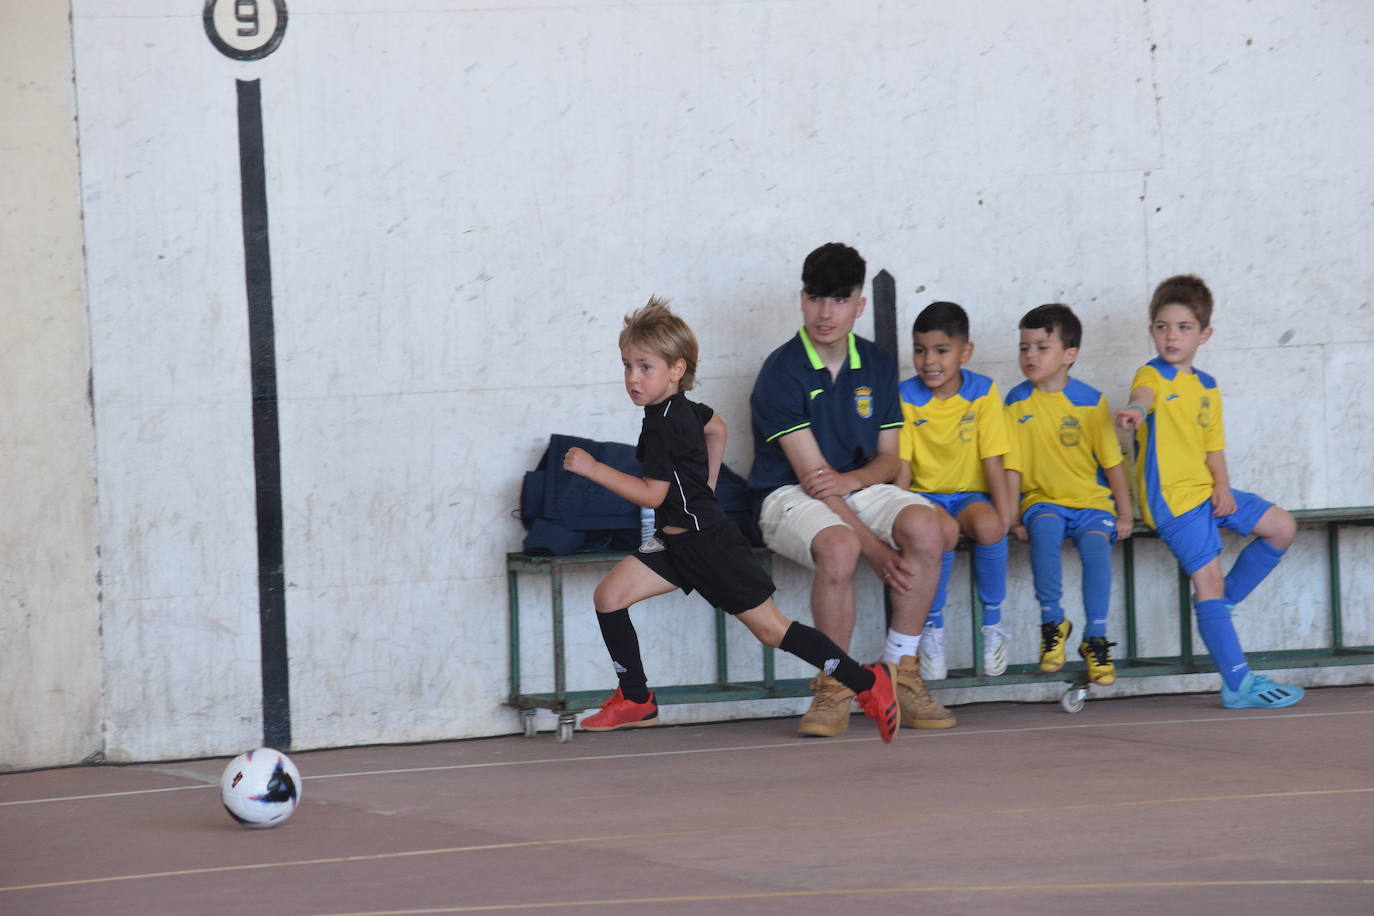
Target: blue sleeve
<point>778,403</point>
<point>890,406</point>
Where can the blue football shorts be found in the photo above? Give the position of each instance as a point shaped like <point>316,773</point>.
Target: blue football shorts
<point>954,503</point>
<point>1077,522</point>
<point>1195,536</point>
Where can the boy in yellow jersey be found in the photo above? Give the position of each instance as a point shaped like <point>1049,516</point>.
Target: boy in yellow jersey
<point>1185,488</point>
<point>953,440</point>
<point>1068,468</point>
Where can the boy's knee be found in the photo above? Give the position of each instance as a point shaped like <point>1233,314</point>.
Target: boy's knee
<point>606,599</point>
<point>1208,582</point>
<point>1283,528</point>
<point>1094,541</point>
<point>987,530</point>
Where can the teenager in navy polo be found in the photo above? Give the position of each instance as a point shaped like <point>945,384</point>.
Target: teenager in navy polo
<point>845,413</point>
<point>826,420</point>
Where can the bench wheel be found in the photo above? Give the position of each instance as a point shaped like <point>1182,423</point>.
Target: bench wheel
<point>527,723</point>
<point>565,727</point>
<point>1074,698</point>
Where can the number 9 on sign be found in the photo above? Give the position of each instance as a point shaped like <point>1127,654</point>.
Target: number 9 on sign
<point>245,29</point>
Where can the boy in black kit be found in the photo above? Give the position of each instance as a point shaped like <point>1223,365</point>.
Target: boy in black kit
<point>680,447</point>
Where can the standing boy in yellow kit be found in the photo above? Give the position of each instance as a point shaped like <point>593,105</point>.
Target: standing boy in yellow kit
<point>1067,466</point>
<point>954,436</point>
<point>1185,487</point>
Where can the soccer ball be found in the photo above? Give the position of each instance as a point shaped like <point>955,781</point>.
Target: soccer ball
<point>260,788</point>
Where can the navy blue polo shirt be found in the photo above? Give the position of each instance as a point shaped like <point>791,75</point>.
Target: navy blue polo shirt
<point>794,391</point>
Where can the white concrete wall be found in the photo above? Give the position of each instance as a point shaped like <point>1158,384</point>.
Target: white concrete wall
<point>466,197</point>
<point>50,661</point>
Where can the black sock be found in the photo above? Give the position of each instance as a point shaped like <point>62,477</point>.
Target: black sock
<point>623,644</point>
<point>813,646</point>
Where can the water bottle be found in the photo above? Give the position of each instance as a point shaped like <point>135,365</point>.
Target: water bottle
<point>648,542</point>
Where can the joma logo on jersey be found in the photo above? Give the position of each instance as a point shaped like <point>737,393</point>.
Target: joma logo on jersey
<point>863,402</point>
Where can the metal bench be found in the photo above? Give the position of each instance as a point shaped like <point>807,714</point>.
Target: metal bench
<point>567,704</point>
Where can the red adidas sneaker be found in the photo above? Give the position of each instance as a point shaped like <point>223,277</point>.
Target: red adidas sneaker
<point>618,712</point>
<point>879,702</point>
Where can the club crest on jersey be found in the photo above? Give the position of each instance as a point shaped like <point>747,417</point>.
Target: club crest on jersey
<point>1204,414</point>
<point>863,401</point>
<point>967,426</point>
<point>1070,433</point>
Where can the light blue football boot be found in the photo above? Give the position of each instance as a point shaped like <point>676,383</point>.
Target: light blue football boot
<point>1258,692</point>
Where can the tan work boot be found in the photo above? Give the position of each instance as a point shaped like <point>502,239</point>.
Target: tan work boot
<point>830,707</point>
<point>919,708</point>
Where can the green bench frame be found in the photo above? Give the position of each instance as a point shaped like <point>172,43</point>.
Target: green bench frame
<point>567,703</point>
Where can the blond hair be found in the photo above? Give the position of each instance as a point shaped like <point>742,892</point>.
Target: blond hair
<point>655,328</point>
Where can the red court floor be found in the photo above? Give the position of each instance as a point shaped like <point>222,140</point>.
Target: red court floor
<point>1145,805</point>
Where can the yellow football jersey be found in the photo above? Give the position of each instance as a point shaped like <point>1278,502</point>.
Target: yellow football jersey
<point>1062,444</point>
<point>945,441</point>
<point>1172,444</point>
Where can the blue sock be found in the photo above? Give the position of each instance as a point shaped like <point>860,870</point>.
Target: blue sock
<point>936,617</point>
<point>1256,561</point>
<point>1214,623</point>
<point>1046,537</point>
<point>990,567</point>
<point>1095,549</point>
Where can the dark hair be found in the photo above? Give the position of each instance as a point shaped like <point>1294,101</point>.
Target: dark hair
<point>834,269</point>
<point>949,317</point>
<point>1055,318</point>
<point>1185,290</point>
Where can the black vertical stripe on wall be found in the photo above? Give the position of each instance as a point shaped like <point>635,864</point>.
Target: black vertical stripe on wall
<point>885,313</point>
<point>257,262</point>
<point>885,336</point>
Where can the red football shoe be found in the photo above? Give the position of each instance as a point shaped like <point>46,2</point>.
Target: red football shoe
<point>618,712</point>
<point>879,702</point>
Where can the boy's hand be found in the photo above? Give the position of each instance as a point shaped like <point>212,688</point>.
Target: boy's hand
<point>579,461</point>
<point>1124,526</point>
<point>826,482</point>
<point>1223,503</point>
<point>1129,418</point>
<point>1019,532</point>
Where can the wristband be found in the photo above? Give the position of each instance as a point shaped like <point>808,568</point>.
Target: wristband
<point>1143,412</point>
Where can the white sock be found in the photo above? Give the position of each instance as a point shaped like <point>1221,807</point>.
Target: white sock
<point>899,644</point>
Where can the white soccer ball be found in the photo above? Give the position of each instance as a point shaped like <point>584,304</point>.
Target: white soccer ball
<point>260,788</point>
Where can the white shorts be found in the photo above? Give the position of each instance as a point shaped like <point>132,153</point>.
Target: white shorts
<point>790,520</point>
